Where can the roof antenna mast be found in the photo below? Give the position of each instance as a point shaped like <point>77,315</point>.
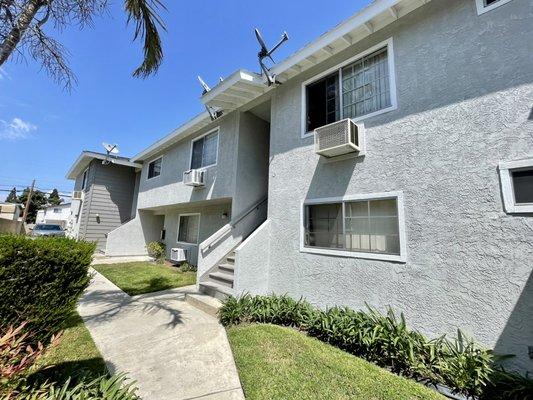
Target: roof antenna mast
<point>213,114</point>
<point>111,152</point>
<point>265,53</point>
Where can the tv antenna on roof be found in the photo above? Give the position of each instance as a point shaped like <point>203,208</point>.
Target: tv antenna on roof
<point>213,113</point>
<point>111,151</point>
<point>265,53</point>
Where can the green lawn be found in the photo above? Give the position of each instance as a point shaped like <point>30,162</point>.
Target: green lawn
<point>75,353</point>
<point>280,363</point>
<point>145,277</point>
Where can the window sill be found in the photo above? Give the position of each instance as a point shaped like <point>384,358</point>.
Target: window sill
<point>520,209</point>
<point>358,119</point>
<point>353,254</point>
<point>187,244</point>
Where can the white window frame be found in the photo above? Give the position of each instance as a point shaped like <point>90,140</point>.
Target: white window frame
<point>482,8</point>
<point>148,168</point>
<point>217,129</point>
<point>392,84</point>
<point>505,169</point>
<point>197,234</point>
<point>84,179</point>
<point>397,195</point>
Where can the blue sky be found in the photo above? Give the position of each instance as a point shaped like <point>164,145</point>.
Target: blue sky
<point>43,128</point>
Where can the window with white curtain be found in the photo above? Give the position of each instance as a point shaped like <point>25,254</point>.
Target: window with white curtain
<point>188,228</point>
<point>360,88</point>
<point>350,226</point>
<point>204,151</point>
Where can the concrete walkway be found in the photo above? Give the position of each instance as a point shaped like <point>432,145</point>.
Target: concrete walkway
<point>171,349</point>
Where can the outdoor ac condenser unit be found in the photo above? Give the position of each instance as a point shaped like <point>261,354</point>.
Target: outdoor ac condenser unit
<point>194,177</point>
<point>337,138</point>
<point>177,254</point>
<point>77,195</point>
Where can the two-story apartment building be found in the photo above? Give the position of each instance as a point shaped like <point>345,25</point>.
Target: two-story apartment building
<point>393,166</point>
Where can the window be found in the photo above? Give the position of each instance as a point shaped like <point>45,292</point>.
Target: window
<point>517,185</point>
<point>361,87</point>
<point>204,151</point>
<point>367,226</point>
<point>487,5</point>
<point>57,210</point>
<point>84,179</point>
<point>154,168</point>
<point>188,228</point>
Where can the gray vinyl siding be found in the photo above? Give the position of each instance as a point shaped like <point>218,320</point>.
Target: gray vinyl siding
<point>108,201</point>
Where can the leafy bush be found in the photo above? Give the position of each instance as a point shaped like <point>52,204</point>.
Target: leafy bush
<point>385,340</point>
<point>100,388</point>
<point>40,281</point>
<point>186,267</point>
<point>157,251</point>
<point>506,385</point>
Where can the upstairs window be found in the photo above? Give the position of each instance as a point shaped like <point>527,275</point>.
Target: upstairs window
<point>487,5</point>
<point>84,179</point>
<point>353,227</point>
<point>188,228</point>
<point>359,89</point>
<point>205,151</point>
<point>154,168</point>
<point>517,185</point>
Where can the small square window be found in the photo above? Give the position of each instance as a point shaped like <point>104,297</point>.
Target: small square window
<point>517,185</point>
<point>154,168</point>
<point>484,6</point>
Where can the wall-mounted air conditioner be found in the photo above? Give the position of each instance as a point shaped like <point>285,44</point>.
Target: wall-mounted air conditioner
<point>77,195</point>
<point>178,255</point>
<point>194,177</point>
<point>338,138</point>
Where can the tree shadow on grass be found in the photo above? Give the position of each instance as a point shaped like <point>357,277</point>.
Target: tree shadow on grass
<point>76,370</point>
<point>155,284</point>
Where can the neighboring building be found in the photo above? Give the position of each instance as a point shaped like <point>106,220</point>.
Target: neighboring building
<point>429,209</point>
<point>59,215</point>
<point>10,211</point>
<point>103,196</point>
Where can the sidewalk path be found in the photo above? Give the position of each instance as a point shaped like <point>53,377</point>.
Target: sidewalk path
<point>173,350</point>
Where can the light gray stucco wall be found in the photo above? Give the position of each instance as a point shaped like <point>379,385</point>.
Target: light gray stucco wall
<point>168,188</point>
<point>251,181</point>
<point>465,96</point>
<point>211,220</point>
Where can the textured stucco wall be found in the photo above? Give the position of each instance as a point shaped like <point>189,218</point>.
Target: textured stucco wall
<point>252,260</point>
<point>168,188</point>
<point>252,163</point>
<point>465,96</point>
<point>210,221</point>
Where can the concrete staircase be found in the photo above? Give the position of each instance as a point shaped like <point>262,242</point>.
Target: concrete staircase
<point>219,282</point>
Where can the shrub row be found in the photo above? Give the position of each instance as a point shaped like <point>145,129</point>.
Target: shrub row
<point>40,281</point>
<point>386,341</point>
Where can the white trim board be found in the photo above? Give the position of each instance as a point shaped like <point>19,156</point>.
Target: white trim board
<point>505,169</point>
<point>388,43</point>
<point>482,8</point>
<point>398,195</point>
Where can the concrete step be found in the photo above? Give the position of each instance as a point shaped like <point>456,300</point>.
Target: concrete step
<point>230,259</point>
<point>222,278</point>
<point>226,268</point>
<point>204,302</point>
<point>215,290</point>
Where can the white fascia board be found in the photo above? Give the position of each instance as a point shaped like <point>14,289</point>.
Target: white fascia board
<point>344,28</point>
<point>241,75</point>
<point>197,122</point>
<point>86,157</point>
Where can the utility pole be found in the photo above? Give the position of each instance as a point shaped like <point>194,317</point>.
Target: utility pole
<point>27,208</point>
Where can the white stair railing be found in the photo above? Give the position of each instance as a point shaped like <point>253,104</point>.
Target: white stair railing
<point>215,247</point>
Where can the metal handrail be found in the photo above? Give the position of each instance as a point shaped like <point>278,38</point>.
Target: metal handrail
<point>231,225</point>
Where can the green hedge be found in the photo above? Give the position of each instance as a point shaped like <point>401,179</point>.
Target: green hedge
<point>40,281</point>
<point>386,341</point>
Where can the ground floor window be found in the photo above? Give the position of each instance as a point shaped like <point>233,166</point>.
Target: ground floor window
<point>517,185</point>
<point>356,225</point>
<point>188,228</point>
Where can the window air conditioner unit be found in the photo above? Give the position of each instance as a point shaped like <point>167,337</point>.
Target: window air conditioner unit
<point>337,138</point>
<point>177,254</point>
<point>77,195</point>
<point>194,177</point>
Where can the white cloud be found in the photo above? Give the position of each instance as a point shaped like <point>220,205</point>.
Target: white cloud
<point>16,129</point>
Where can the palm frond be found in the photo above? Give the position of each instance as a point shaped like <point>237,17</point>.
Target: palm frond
<point>147,23</point>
